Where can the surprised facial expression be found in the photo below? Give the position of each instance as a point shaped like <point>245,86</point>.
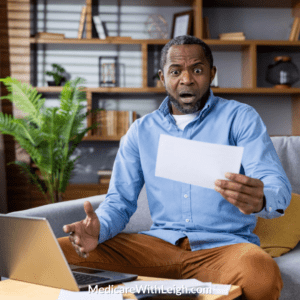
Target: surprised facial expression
<point>187,77</point>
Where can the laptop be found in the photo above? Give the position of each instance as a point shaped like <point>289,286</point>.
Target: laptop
<point>30,252</point>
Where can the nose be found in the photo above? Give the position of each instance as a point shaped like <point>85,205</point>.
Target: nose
<point>186,78</point>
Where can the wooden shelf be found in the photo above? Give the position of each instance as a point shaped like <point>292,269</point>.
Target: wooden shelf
<point>58,89</point>
<point>221,90</point>
<point>211,42</point>
<point>260,91</point>
<point>112,138</point>
<point>34,40</point>
<point>126,90</point>
<point>250,3</point>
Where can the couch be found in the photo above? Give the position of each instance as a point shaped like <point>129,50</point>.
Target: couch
<point>288,149</point>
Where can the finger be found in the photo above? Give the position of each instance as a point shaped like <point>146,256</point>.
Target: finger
<point>69,228</point>
<point>72,239</point>
<point>246,180</point>
<point>237,196</point>
<point>89,210</point>
<point>79,252</point>
<point>245,203</point>
<point>243,207</point>
<point>234,186</point>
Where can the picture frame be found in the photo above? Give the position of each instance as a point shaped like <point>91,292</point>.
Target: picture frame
<point>109,71</point>
<point>182,23</point>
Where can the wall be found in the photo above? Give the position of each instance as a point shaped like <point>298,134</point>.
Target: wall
<point>82,60</point>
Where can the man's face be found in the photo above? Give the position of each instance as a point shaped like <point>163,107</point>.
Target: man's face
<point>187,77</point>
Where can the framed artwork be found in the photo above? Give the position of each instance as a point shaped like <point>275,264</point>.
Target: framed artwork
<point>182,24</point>
<point>108,71</point>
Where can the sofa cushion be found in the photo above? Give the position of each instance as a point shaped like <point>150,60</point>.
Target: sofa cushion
<point>279,236</point>
<point>288,150</point>
<point>289,265</point>
<point>61,213</point>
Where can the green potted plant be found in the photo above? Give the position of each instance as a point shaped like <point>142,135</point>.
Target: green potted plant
<point>49,135</point>
<point>58,75</point>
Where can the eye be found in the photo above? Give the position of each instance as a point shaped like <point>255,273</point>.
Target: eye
<point>175,72</point>
<point>198,71</point>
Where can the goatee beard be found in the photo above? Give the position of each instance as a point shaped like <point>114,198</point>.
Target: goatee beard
<point>197,107</point>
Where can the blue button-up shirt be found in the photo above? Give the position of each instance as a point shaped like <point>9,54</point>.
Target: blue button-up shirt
<point>182,210</point>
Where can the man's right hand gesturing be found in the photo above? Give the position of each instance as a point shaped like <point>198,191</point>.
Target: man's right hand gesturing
<point>84,235</point>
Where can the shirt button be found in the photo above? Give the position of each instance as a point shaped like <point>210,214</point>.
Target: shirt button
<point>187,220</point>
<point>270,209</point>
<point>185,196</point>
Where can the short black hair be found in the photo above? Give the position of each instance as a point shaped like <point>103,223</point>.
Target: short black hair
<point>186,40</point>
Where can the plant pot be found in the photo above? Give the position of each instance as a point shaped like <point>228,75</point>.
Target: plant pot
<point>52,83</point>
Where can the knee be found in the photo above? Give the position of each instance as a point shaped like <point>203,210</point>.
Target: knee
<point>67,249</point>
<point>64,243</point>
<point>260,276</point>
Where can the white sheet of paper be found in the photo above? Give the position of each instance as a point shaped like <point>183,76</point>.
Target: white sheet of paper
<point>195,162</point>
<point>68,295</point>
<point>220,289</point>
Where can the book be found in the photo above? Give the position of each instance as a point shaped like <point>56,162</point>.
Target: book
<point>49,35</point>
<point>294,35</point>
<point>99,27</point>
<point>104,179</point>
<point>104,172</point>
<point>236,36</point>
<point>100,118</point>
<point>81,22</point>
<point>229,34</point>
<point>233,38</point>
<point>205,28</point>
<point>104,176</point>
<point>113,122</point>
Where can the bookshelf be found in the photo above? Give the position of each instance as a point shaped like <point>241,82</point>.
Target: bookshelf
<point>23,49</point>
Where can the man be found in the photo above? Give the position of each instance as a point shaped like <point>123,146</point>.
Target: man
<point>197,232</point>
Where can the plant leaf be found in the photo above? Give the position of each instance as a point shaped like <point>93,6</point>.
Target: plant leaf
<point>25,97</point>
<point>67,175</point>
<point>32,177</point>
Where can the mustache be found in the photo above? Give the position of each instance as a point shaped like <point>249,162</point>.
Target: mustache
<point>192,107</point>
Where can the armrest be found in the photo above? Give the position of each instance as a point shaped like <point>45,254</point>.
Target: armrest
<point>62,213</point>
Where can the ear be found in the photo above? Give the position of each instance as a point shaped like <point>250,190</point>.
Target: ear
<point>161,76</point>
<point>213,72</point>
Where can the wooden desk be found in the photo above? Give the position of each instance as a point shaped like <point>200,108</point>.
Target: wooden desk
<point>18,290</point>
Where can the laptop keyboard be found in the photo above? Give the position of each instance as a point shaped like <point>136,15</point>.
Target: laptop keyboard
<point>82,279</point>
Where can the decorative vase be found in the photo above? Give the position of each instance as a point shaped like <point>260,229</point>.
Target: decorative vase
<point>283,73</point>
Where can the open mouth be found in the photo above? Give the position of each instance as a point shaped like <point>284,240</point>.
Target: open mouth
<point>187,97</point>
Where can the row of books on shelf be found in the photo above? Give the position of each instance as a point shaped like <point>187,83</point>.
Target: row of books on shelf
<point>96,23</point>
<point>112,122</point>
<point>98,28</point>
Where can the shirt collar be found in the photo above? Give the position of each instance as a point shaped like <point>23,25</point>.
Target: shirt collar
<point>165,106</point>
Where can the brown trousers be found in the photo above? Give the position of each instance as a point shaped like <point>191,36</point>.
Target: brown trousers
<point>246,265</point>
